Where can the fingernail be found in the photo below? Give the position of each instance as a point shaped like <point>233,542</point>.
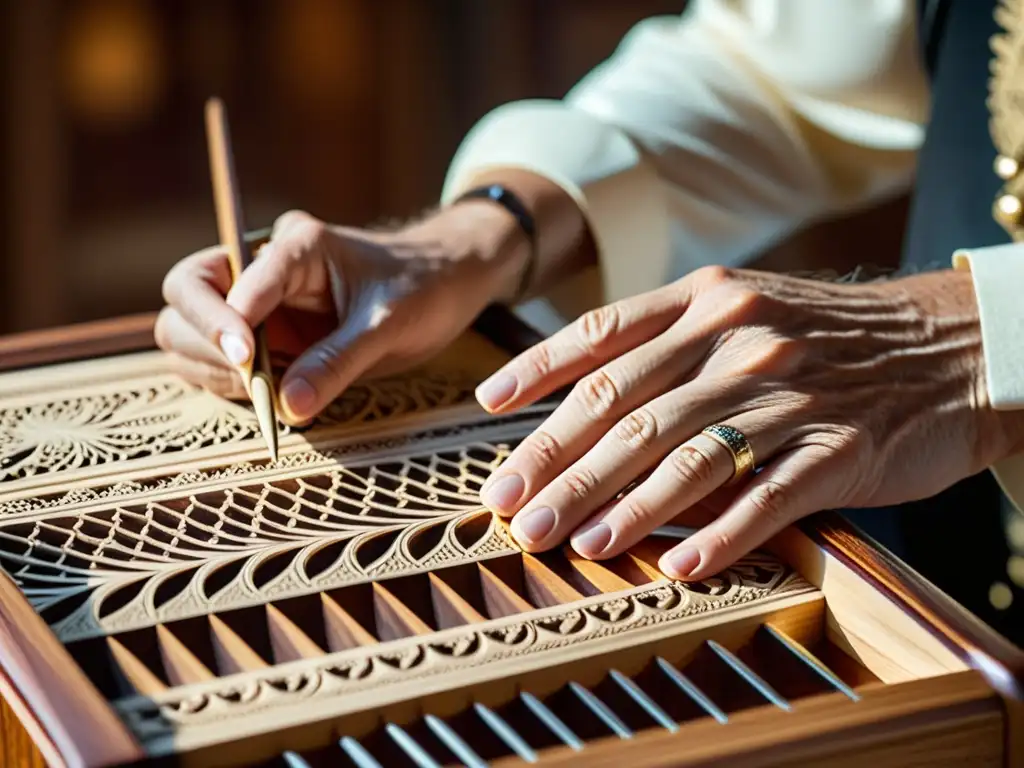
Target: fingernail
<point>234,348</point>
<point>593,540</point>
<point>299,397</point>
<point>496,390</point>
<point>679,563</point>
<point>504,492</point>
<point>535,524</point>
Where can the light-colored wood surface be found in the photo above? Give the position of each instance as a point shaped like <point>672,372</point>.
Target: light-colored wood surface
<point>138,675</point>
<point>233,653</point>
<point>289,642</point>
<point>863,622</point>
<point>343,632</point>
<point>181,665</point>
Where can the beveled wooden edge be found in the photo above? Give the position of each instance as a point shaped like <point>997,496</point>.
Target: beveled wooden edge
<point>976,644</point>
<point>79,723</point>
<point>31,725</point>
<point>134,333</point>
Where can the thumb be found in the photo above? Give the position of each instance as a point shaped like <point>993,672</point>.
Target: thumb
<point>327,368</point>
<point>282,269</point>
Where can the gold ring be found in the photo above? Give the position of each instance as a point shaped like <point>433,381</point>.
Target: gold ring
<point>737,445</point>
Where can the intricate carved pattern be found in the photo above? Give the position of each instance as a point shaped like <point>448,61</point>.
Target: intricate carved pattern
<point>136,564</point>
<point>328,683</point>
<point>303,462</point>
<point>163,416</point>
<point>377,400</point>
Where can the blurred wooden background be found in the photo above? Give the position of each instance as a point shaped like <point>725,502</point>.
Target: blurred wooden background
<point>350,109</point>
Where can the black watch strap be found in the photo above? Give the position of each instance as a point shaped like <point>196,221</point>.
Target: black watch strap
<point>511,203</point>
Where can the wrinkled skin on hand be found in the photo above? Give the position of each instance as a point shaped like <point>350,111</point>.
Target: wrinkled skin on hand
<point>849,395</point>
<point>338,303</point>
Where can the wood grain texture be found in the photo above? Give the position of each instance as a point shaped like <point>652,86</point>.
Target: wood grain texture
<point>81,724</point>
<point>18,749</point>
<point>973,641</point>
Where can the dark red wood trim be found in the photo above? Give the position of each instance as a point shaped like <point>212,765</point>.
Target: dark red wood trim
<point>77,342</point>
<point>134,333</point>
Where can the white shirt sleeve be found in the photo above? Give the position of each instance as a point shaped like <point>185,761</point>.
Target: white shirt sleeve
<point>709,135</point>
<point>998,274</point>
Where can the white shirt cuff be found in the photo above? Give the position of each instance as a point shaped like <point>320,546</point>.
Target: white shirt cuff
<point>998,275</point>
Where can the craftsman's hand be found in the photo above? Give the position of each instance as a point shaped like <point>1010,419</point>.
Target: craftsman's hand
<point>339,302</point>
<point>849,395</point>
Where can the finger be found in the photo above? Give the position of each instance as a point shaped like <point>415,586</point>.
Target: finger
<point>283,270</point>
<point>326,369</point>
<point>196,287</point>
<point>219,379</point>
<point>174,334</point>
<point>797,484</point>
<point>691,473</point>
<point>683,479</point>
<point>595,338</point>
<point>589,411</point>
<point>636,443</point>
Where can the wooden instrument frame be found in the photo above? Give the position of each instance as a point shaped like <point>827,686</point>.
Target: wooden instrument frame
<point>40,723</point>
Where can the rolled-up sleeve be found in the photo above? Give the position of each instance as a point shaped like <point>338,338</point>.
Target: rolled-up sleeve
<point>707,136</point>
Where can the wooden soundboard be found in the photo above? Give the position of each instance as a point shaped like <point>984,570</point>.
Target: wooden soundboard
<point>169,596</point>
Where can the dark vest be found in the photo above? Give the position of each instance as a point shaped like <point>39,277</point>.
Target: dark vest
<point>957,539</point>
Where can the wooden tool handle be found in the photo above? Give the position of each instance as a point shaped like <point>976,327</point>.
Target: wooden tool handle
<point>227,200</point>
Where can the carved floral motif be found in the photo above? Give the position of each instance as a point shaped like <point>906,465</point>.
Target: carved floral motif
<point>164,416</point>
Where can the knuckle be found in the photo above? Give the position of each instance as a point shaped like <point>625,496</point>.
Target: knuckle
<point>580,481</point>
<point>635,512</point>
<point>330,362</point>
<point>597,394</point>
<point>692,466</point>
<point>289,218</point>
<point>637,430</point>
<point>748,303</point>
<point>713,275</point>
<point>169,287</point>
<point>721,542</point>
<point>543,449</point>
<point>596,327</point>
<point>162,331</point>
<point>770,500</point>
<point>778,356</point>
<point>538,361</point>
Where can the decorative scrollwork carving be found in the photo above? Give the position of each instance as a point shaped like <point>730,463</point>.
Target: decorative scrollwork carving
<point>446,654</point>
<point>130,565</point>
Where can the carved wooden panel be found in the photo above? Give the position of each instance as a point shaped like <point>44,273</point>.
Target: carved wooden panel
<point>354,596</point>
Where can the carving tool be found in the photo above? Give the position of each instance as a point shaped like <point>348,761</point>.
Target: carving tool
<point>257,374</point>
